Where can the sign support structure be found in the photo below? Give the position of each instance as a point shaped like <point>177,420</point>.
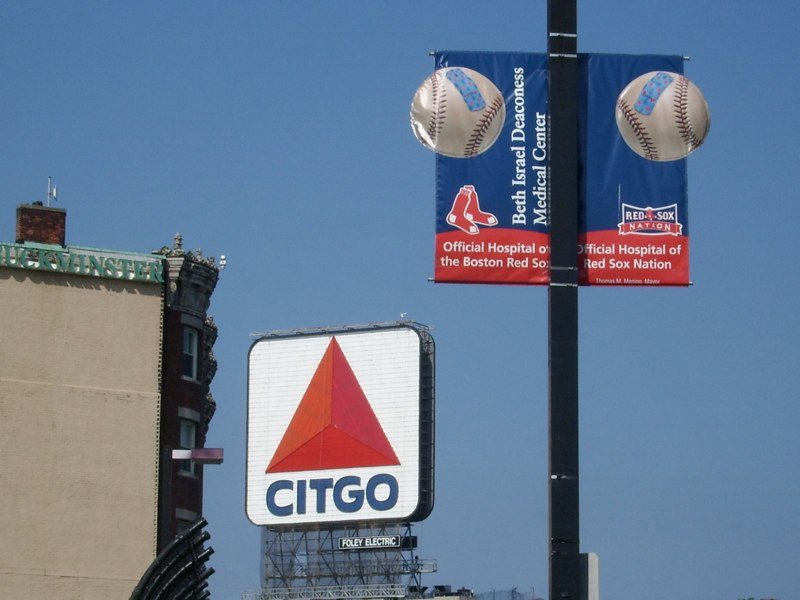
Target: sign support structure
<point>564,526</point>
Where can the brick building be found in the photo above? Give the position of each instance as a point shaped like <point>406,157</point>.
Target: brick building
<point>104,407</point>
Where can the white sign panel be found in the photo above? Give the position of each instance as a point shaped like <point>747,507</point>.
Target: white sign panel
<point>333,431</point>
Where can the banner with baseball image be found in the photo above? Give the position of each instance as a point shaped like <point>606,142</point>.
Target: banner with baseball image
<point>492,159</point>
<point>491,177</point>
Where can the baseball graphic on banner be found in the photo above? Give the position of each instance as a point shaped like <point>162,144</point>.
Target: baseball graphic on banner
<point>457,112</point>
<point>662,116</point>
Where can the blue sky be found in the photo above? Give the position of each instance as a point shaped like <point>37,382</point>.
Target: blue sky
<point>277,133</point>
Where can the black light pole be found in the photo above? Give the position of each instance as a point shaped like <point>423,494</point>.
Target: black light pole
<point>563,300</point>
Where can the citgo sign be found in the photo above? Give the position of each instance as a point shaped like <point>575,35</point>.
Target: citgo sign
<point>335,426</point>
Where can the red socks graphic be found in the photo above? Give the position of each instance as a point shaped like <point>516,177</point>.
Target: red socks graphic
<point>474,211</point>
<point>466,213</point>
<point>457,217</point>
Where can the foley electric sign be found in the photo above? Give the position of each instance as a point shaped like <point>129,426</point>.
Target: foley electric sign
<point>340,426</point>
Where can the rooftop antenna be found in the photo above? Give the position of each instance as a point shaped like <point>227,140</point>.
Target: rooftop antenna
<point>52,192</point>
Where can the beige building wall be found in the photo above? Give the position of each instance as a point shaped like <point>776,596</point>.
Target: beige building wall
<point>79,405</point>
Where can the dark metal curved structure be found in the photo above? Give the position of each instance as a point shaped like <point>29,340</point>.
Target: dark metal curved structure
<point>179,571</point>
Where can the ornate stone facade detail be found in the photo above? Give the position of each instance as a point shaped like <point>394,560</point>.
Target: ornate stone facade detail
<point>209,360</point>
<point>209,409</point>
<point>192,279</point>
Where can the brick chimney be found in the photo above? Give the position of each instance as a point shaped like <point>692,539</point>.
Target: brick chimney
<point>41,224</point>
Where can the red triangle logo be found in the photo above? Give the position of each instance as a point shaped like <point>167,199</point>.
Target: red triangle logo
<point>334,426</point>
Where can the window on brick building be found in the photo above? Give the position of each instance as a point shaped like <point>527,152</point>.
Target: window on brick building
<point>181,526</point>
<point>189,363</point>
<point>188,442</point>
<point>184,519</point>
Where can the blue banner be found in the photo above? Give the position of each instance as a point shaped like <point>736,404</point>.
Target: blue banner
<point>492,214</point>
